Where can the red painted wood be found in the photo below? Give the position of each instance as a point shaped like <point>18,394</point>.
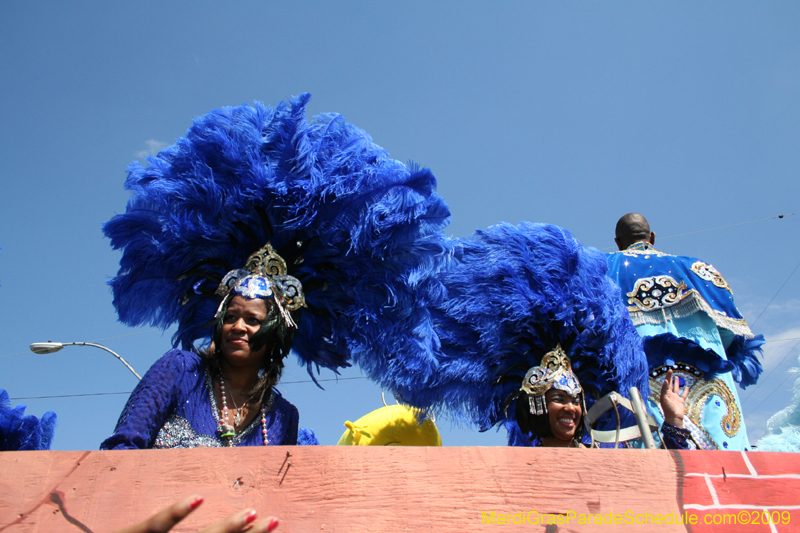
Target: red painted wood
<point>763,492</point>
<point>713,462</point>
<point>727,521</point>
<point>329,488</point>
<point>770,464</point>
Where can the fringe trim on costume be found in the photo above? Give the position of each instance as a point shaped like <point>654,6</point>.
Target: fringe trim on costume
<point>688,306</point>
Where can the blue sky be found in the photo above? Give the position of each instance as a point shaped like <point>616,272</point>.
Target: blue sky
<point>570,113</point>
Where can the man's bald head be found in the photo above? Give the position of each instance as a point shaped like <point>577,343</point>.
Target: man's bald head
<point>633,228</point>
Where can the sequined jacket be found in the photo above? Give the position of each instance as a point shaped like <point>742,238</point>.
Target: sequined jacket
<point>174,407</point>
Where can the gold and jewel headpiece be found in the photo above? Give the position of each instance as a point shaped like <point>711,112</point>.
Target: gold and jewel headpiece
<point>554,372</point>
<point>264,276</point>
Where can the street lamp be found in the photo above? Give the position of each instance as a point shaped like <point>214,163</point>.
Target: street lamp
<point>52,347</point>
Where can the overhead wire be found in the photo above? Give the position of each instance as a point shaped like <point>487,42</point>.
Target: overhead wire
<point>713,229</point>
<point>774,389</point>
<point>781,216</point>
<point>776,294</point>
<point>128,392</point>
<point>764,378</point>
<point>728,226</point>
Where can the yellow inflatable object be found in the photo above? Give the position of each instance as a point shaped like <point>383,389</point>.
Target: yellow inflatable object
<point>393,425</point>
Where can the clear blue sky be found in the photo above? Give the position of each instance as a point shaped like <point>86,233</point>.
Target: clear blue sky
<point>570,113</point>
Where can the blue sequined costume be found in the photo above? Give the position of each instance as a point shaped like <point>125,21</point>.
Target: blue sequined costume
<point>688,298</point>
<point>174,407</point>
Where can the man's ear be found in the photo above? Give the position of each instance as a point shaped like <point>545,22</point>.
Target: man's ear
<point>653,238</point>
<point>618,244</point>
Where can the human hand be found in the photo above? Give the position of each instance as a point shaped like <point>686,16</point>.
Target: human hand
<point>672,402</point>
<point>164,520</point>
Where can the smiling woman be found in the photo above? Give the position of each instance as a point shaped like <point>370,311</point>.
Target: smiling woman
<point>565,414</point>
<point>550,405</point>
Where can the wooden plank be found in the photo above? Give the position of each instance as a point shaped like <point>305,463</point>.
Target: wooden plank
<point>330,488</point>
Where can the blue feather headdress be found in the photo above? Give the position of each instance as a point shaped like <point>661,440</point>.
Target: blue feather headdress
<point>361,231</point>
<point>667,350</point>
<point>19,431</point>
<point>516,294</point>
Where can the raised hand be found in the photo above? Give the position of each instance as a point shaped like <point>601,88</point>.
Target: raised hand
<point>672,401</point>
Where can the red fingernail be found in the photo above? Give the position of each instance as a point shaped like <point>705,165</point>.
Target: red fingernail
<point>250,517</point>
<point>272,524</point>
<point>196,503</point>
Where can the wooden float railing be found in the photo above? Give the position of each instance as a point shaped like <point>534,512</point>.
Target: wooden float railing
<point>330,488</point>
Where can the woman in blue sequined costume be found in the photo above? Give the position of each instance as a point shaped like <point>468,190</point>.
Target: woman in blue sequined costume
<point>225,396</point>
<point>550,407</point>
<point>344,231</point>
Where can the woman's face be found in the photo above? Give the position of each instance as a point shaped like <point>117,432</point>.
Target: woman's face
<point>564,413</point>
<point>241,322</point>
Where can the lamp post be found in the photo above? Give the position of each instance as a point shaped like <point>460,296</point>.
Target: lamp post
<point>52,347</point>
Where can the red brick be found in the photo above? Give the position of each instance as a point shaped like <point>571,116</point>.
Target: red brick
<point>713,462</point>
<point>730,515</point>
<point>761,492</point>
<point>696,491</point>
<point>772,463</point>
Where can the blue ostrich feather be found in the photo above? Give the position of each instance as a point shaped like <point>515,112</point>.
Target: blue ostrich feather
<point>370,228</point>
<point>24,432</point>
<point>668,349</point>
<point>744,352</point>
<point>307,437</point>
<point>515,294</point>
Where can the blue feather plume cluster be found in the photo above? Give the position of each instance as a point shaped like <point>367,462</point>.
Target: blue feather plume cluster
<point>307,437</point>
<point>744,353</point>
<point>21,432</point>
<point>668,349</point>
<point>515,294</point>
<point>361,231</point>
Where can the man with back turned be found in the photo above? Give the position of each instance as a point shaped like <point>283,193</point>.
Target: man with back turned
<point>688,298</point>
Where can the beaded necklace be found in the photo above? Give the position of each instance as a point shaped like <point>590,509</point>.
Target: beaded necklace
<point>229,430</point>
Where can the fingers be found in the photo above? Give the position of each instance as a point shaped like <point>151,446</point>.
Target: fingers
<point>667,385</point>
<point>265,526</point>
<point>676,388</point>
<point>676,385</point>
<point>239,521</point>
<point>165,519</point>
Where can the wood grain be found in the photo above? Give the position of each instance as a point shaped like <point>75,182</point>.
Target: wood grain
<point>330,488</point>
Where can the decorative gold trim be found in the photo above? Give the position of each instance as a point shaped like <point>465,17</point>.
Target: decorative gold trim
<point>656,292</point>
<point>690,304</point>
<point>700,393</point>
<point>709,273</point>
<point>698,397</point>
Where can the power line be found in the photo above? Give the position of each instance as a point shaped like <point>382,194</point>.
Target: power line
<point>774,390</point>
<point>712,229</point>
<point>764,379</point>
<point>776,294</point>
<point>128,392</point>
<point>68,395</point>
<point>723,227</point>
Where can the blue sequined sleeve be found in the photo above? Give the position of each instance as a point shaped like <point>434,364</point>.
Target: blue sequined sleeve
<point>150,404</point>
<point>289,411</point>
<point>675,438</point>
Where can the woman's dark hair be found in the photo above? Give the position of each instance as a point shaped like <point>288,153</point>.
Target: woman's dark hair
<point>274,333</point>
<point>539,425</point>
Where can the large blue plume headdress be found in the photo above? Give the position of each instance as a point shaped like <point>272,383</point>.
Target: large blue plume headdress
<point>516,294</point>
<point>19,431</point>
<point>361,231</point>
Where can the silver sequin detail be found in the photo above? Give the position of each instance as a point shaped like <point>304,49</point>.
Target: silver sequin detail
<point>178,433</point>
